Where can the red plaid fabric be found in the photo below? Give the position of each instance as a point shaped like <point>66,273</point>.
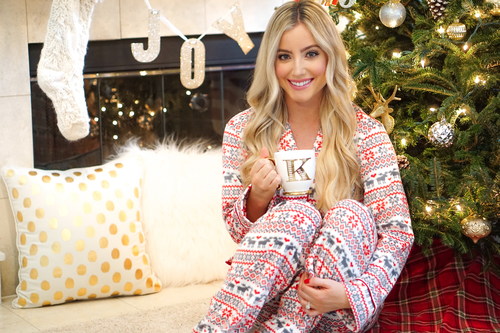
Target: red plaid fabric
<point>443,292</point>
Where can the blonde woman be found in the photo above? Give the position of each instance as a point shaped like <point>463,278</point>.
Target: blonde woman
<point>322,262</point>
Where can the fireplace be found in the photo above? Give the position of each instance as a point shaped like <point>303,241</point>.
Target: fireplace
<point>145,102</point>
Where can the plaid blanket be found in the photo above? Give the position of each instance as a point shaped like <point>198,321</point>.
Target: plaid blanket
<point>443,292</point>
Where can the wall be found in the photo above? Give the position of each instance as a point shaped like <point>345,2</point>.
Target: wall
<point>23,22</point>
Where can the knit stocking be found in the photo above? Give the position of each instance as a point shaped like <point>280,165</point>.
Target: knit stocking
<point>60,69</point>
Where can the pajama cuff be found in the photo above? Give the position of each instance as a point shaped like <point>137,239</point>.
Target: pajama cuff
<point>361,301</point>
<point>241,210</point>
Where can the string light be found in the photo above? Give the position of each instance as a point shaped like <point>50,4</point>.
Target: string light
<point>403,142</point>
<point>461,111</point>
<point>188,92</point>
<point>115,122</point>
<point>143,73</point>
<point>432,109</point>
<point>428,209</point>
<point>441,30</point>
<point>396,54</point>
<point>465,47</point>
<point>120,105</point>
<point>120,113</point>
<point>422,62</point>
<point>131,114</point>
<point>164,110</point>
<point>103,109</point>
<point>458,207</point>
<point>477,14</point>
<point>115,137</point>
<point>479,80</point>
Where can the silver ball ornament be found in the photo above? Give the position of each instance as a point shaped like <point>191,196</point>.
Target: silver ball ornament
<point>441,134</point>
<point>392,14</point>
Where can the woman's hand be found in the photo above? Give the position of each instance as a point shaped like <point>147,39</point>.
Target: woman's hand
<point>322,295</point>
<point>265,180</point>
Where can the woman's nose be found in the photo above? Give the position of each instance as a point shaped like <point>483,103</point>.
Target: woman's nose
<point>298,66</point>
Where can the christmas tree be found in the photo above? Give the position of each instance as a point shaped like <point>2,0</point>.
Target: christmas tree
<point>429,72</point>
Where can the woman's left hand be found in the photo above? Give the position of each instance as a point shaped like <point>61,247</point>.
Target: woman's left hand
<point>323,295</point>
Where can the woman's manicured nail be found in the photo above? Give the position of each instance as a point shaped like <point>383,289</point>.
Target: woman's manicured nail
<point>306,281</point>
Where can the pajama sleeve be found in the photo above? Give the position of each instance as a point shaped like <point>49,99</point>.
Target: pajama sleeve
<point>234,194</point>
<point>385,198</point>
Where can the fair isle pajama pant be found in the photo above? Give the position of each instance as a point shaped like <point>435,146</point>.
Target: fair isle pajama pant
<point>260,290</point>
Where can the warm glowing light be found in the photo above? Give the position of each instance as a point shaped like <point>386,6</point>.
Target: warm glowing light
<point>357,16</point>
<point>396,54</point>
<point>441,30</point>
<point>143,73</point>
<point>377,27</point>
<point>428,209</point>
<point>120,105</point>
<point>188,92</point>
<point>403,142</point>
<point>477,14</point>
<point>96,119</point>
<point>165,110</point>
<point>422,63</point>
<point>479,80</point>
<point>115,122</point>
<point>103,109</point>
<point>432,109</point>
<point>459,208</point>
<point>136,101</point>
<point>465,47</point>
<point>131,114</point>
<point>461,111</point>
<point>115,137</point>
<point>152,113</point>
<point>120,113</point>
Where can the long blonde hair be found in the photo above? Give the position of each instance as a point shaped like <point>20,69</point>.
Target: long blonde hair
<point>337,167</point>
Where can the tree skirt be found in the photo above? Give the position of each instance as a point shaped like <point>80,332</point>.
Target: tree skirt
<point>443,292</point>
<point>179,318</point>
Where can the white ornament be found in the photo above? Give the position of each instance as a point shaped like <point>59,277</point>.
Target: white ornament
<point>347,3</point>
<point>138,51</point>
<point>392,14</point>
<point>236,30</point>
<point>192,75</point>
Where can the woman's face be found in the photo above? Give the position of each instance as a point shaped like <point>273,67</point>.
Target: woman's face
<point>300,66</point>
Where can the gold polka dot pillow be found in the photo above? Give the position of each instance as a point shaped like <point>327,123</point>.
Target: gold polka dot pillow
<point>79,233</point>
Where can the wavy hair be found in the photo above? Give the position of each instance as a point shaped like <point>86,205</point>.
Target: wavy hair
<point>337,167</point>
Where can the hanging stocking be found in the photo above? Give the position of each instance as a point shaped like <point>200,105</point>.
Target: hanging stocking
<point>60,69</point>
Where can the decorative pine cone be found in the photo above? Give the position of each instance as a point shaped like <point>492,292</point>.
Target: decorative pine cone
<point>403,162</point>
<point>437,8</point>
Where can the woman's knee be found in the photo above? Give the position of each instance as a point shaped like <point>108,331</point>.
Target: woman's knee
<point>352,213</point>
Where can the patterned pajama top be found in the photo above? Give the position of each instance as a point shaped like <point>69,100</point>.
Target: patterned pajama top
<point>383,195</point>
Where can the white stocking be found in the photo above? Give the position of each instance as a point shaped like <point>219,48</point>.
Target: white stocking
<point>60,69</point>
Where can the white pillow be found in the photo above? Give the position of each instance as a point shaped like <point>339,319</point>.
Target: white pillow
<point>79,233</point>
<point>187,239</point>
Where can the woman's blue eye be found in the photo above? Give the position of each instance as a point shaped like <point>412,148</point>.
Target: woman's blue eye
<point>283,56</point>
<point>312,54</point>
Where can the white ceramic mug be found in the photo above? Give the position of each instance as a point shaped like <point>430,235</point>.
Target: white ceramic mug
<point>296,169</point>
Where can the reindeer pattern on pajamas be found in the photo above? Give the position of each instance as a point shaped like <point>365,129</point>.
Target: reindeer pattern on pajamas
<point>361,244</point>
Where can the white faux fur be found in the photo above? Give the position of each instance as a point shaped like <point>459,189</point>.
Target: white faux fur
<point>185,234</point>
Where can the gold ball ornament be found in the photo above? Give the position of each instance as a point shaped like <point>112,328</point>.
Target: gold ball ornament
<point>456,30</point>
<point>475,227</point>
